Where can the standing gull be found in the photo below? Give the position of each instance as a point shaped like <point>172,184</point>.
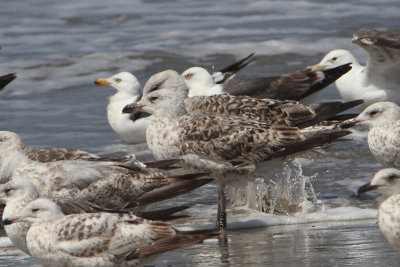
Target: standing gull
<point>98,239</point>
<point>229,148</point>
<point>379,79</point>
<point>383,121</point>
<point>301,85</point>
<point>128,91</point>
<point>387,183</point>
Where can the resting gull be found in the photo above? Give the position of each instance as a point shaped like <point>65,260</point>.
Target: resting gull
<point>301,85</point>
<point>269,111</point>
<point>229,148</point>
<point>387,183</point>
<point>128,91</point>
<point>106,183</point>
<point>6,79</point>
<point>16,194</point>
<point>98,239</point>
<point>379,79</point>
<point>383,121</point>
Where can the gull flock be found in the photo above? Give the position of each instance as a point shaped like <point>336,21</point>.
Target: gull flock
<point>68,207</point>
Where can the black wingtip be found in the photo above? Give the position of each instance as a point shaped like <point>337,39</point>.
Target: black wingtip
<point>6,79</point>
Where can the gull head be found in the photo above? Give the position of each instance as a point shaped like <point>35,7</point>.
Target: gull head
<point>10,140</point>
<point>385,182</point>
<point>17,190</point>
<point>376,115</point>
<point>168,79</point>
<point>39,210</point>
<point>198,80</point>
<point>162,103</point>
<point>124,82</point>
<point>336,58</point>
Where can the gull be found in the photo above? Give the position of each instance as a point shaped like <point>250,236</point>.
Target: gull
<point>98,239</point>
<point>17,194</point>
<point>106,183</point>
<point>269,111</point>
<point>301,85</point>
<point>379,79</point>
<point>128,91</point>
<point>227,147</point>
<point>387,183</point>
<point>383,121</point>
<point>6,79</point>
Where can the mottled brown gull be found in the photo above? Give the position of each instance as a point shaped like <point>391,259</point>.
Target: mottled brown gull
<point>383,121</point>
<point>106,183</point>
<point>128,91</point>
<point>229,148</point>
<point>301,85</point>
<point>379,79</point>
<point>98,239</point>
<point>16,194</point>
<point>268,111</point>
<point>387,183</point>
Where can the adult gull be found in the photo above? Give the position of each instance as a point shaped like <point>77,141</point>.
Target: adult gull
<point>128,91</point>
<point>301,85</point>
<point>379,79</point>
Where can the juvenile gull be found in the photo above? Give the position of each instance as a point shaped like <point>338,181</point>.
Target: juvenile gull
<point>128,91</point>
<point>301,85</point>
<point>106,183</point>
<point>16,194</point>
<point>6,79</point>
<point>229,148</point>
<point>98,239</point>
<point>379,79</point>
<point>269,111</point>
<point>383,121</point>
<point>387,183</point>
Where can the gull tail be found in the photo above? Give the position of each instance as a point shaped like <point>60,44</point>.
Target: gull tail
<point>329,76</point>
<point>327,110</point>
<point>227,73</point>
<point>173,189</point>
<point>181,239</point>
<point>312,140</point>
<point>163,214</point>
<point>6,79</point>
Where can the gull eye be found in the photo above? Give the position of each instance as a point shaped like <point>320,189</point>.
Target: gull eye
<point>7,190</point>
<point>373,113</point>
<point>153,98</point>
<point>392,177</point>
<point>334,58</point>
<point>189,75</point>
<point>118,80</point>
<point>35,210</point>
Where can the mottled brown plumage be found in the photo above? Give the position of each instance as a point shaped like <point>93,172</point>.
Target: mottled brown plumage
<point>98,238</point>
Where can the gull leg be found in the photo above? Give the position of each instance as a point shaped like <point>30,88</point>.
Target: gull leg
<point>221,216</point>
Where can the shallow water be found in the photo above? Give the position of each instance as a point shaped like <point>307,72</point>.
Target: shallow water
<point>58,48</point>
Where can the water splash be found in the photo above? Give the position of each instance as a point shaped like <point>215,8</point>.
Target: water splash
<point>286,192</point>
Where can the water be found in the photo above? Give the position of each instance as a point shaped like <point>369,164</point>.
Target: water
<point>58,48</point>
